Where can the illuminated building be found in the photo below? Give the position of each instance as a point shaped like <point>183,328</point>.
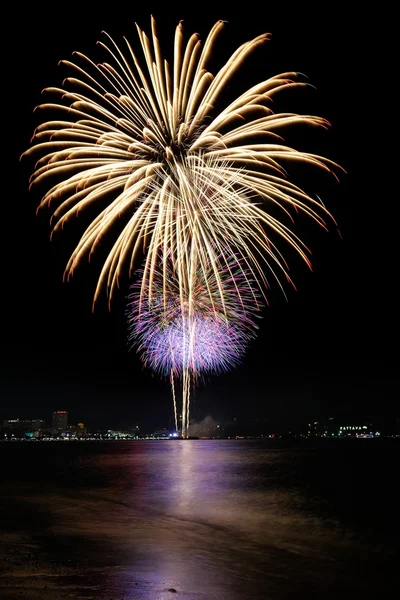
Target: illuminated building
<point>358,431</point>
<point>161,433</point>
<point>23,424</point>
<point>59,419</point>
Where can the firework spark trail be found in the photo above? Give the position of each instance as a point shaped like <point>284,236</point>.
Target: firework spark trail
<point>200,343</point>
<point>188,337</point>
<point>178,174</point>
<point>192,187</point>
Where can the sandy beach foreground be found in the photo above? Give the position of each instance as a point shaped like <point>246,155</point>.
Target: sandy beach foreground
<point>215,520</point>
<point>25,575</point>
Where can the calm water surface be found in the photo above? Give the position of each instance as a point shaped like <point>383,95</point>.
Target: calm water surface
<point>199,520</point>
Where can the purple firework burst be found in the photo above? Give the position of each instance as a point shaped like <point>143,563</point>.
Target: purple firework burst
<point>203,334</point>
<point>201,343</point>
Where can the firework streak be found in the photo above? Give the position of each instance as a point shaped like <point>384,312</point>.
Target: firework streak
<point>197,334</point>
<point>192,183</point>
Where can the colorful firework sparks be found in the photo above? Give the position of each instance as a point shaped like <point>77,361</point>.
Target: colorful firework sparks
<point>176,176</point>
<point>174,333</point>
<point>201,343</point>
<point>195,189</point>
<point>186,337</point>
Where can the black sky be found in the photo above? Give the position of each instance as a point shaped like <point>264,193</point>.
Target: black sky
<point>328,350</point>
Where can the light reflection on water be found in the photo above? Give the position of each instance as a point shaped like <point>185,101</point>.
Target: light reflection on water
<point>211,519</point>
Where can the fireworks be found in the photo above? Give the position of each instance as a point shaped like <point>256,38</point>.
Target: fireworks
<point>185,184</point>
<point>187,337</point>
<point>194,334</point>
<point>175,175</point>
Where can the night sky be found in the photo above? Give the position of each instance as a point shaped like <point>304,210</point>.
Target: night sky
<point>328,350</point>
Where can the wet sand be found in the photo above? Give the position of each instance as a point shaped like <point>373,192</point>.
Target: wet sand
<point>205,521</point>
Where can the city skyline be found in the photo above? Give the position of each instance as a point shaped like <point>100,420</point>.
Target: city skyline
<point>323,426</point>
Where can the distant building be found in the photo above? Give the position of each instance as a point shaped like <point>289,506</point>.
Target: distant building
<point>23,424</point>
<point>161,433</point>
<point>21,428</point>
<point>76,431</point>
<point>59,419</point>
<point>366,429</point>
<point>116,435</point>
